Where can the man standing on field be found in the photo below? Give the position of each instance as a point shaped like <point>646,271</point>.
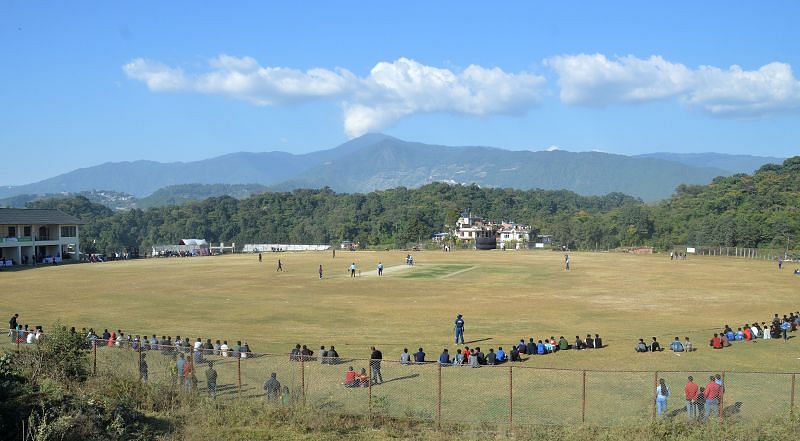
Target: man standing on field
<point>459,327</point>
<point>280,266</point>
<point>380,268</point>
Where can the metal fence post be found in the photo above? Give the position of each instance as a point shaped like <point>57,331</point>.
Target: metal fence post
<point>510,399</point>
<point>369,393</point>
<point>791,403</point>
<point>439,400</point>
<point>583,399</point>
<point>655,392</point>
<point>94,357</point>
<point>303,378</point>
<point>239,377</point>
<point>722,398</point>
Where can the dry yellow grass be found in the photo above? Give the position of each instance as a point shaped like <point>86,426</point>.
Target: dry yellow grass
<point>504,296</point>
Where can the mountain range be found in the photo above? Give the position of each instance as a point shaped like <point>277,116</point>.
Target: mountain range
<point>376,162</point>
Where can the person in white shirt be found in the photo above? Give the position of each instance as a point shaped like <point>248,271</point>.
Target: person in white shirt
<point>224,348</point>
<point>31,338</point>
<point>754,330</point>
<point>405,357</point>
<point>766,331</point>
<point>198,344</point>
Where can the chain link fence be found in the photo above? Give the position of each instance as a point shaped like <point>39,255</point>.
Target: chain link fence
<point>489,397</point>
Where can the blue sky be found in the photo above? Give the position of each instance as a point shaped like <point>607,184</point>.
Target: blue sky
<point>86,82</point>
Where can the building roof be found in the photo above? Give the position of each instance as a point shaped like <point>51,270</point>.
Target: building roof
<point>22,216</point>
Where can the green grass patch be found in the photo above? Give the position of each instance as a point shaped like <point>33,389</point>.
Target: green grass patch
<point>435,271</point>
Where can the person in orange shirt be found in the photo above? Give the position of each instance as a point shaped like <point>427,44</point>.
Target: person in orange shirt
<point>350,379</point>
<point>716,342</point>
<point>363,378</point>
<point>466,352</point>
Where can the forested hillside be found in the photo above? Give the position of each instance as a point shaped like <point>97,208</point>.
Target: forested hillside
<point>741,210</point>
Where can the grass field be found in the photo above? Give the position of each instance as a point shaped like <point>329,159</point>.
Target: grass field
<point>504,296</point>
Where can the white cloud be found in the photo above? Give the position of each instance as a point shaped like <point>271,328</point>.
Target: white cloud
<point>391,91</point>
<point>595,80</point>
<point>405,87</point>
<point>157,76</point>
<point>553,148</point>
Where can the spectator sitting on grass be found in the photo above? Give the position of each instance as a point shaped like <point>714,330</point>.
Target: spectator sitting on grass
<point>458,360</point>
<point>350,378</point>
<point>589,342</point>
<point>716,342</point>
<point>500,356</point>
<point>515,354</point>
<point>444,358</point>
<point>491,357</point>
<point>725,340</point>
<point>598,342</point>
<point>521,347</point>
<point>687,345</point>
<point>530,348</point>
<point>655,346</point>
<point>419,356</point>
<point>641,346</point>
<point>363,378</point>
<point>540,349</point>
<point>579,344</point>
<point>333,356</point>
<point>563,344</point>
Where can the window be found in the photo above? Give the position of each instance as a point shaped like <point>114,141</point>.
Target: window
<point>69,231</point>
<point>27,231</point>
<point>12,231</point>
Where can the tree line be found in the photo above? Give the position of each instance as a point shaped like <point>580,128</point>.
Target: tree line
<point>758,210</point>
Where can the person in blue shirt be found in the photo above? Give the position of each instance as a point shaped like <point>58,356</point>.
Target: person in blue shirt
<point>730,335</point>
<point>540,348</point>
<point>676,345</point>
<point>521,347</point>
<point>785,329</point>
<point>501,355</point>
<point>739,335</point>
<point>459,327</point>
<point>444,359</point>
<point>419,356</point>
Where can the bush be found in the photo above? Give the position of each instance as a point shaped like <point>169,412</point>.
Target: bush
<point>61,356</point>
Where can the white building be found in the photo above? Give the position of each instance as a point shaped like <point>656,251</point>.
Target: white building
<point>38,235</point>
<point>468,228</point>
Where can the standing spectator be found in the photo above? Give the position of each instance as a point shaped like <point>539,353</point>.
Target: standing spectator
<point>691,390</point>
<point>405,357</point>
<point>259,257</point>
<point>566,262</point>
<point>380,268</point>
<point>280,266</point>
<point>272,387</point>
<point>320,272</point>
<point>375,363</point>
<point>179,365</point>
<point>459,328</point>
<point>712,395</point>
<point>143,367</point>
<point>12,328</point>
<point>211,380</point>
<point>662,394</point>
<point>785,329</point>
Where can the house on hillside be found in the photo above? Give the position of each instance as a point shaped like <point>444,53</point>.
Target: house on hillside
<point>29,236</point>
<point>488,234</point>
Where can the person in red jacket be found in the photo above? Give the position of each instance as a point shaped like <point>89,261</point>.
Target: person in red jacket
<point>711,394</point>
<point>350,378</point>
<point>716,342</point>
<point>691,390</point>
